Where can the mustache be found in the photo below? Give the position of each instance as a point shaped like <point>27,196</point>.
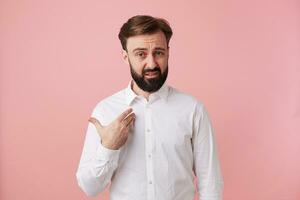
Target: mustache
<point>156,69</point>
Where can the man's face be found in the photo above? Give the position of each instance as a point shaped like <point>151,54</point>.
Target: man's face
<point>147,56</point>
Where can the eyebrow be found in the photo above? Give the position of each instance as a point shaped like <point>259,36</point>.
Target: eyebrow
<point>156,48</point>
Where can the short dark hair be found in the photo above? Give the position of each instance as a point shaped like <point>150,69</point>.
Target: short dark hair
<point>144,24</point>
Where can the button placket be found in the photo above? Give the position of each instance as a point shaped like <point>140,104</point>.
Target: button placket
<point>149,147</point>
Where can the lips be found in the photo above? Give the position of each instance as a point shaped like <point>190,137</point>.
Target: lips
<point>151,74</point>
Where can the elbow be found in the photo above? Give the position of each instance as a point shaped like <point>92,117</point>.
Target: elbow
<point>212,190</point>
<point>89,186</point>
<point>89,193</point>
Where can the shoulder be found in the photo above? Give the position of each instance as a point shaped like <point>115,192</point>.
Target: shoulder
<point>116,98</point>
<point>188,104</point>
<point>184,98</point>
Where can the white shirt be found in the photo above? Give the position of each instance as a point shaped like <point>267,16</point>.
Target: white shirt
<point>172,142</point>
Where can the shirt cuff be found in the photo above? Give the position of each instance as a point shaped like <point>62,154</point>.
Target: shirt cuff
<point>106,154</point>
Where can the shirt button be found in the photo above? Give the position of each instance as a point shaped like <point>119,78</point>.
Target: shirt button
<point>150,182</point>
<point>148,130</point>
<point>149,156</point>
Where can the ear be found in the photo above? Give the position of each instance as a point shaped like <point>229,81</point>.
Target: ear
<point>168,49</point>
<point>125,56</point>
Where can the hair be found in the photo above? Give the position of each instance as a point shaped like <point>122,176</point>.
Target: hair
<point>144,24</point>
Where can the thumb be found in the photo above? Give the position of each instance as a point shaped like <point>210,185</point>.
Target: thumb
<point>96,122</point>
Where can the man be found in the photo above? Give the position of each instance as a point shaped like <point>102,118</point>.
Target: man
<point>149,140</point>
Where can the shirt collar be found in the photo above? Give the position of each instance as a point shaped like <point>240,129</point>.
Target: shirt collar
<point>131,95</point>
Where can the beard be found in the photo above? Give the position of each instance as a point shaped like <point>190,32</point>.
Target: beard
<point>149,84</point>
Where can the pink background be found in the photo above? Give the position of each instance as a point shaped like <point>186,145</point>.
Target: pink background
<point>58,58</point>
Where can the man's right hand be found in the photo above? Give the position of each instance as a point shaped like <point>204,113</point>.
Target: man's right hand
<point>115,134</point>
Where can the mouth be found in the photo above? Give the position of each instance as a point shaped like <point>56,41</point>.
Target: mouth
<point>151,74</point>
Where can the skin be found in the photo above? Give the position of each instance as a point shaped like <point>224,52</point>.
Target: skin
<point>148,58</point>
<point>114,135</point>
<point>155,53</point>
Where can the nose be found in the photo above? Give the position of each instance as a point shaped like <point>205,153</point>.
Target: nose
<point>151,62</point>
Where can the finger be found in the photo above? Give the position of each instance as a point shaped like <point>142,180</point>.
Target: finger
<point>132,114</point>
<point>132,124</point>
<point>96,122</point>
<point>129,127</point>
<point>128,119</point>
<point>124,114</point>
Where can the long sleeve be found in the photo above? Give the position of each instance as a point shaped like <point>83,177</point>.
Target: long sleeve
<point>97,163</point>
<point>206,162</point>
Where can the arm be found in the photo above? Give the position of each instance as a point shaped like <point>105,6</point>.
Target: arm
<point>206,162</point>
<point>97,163</point>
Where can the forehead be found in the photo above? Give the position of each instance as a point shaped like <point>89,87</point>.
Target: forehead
<point>157,39</point>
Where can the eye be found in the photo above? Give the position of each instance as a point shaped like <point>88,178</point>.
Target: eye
<point>140,54</point>
<point>159,53</point>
